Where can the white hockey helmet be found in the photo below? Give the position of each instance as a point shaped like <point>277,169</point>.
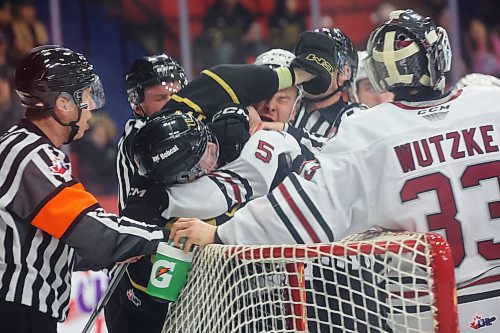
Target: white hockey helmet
<point>477,79</point>
<point>361,75</point>
<point>275,58</point>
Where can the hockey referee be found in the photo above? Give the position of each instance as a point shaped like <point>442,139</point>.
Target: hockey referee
<point>47,218</point>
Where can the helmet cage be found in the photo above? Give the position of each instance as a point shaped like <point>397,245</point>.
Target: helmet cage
<point>408,51</point>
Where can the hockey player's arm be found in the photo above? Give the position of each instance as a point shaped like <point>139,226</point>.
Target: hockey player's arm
<point>239,84</point>
<point>287,215</point>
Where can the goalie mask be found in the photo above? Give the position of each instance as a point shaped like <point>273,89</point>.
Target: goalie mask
<point>149,71</point>
<point>408,50</point>
<point>173,149</point>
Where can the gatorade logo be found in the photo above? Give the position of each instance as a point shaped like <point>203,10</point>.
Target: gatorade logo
<point>159,273</point>
<point>320,61</point>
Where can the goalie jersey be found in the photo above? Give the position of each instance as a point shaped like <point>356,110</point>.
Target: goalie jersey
<point>426,166</point>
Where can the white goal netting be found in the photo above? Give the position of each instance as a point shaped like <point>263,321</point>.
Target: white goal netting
<point>370,282</point>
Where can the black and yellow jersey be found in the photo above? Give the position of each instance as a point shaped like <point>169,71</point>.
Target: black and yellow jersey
<point>223,84</point>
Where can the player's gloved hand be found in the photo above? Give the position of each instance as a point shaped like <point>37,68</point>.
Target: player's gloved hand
<point>146,201</point>
<point>315,54</point>
<point>230,126</point>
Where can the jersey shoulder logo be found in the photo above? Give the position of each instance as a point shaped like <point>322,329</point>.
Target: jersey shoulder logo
<point>59,167</point>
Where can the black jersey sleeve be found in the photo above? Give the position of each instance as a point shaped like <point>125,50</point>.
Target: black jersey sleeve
<point>215,87</point>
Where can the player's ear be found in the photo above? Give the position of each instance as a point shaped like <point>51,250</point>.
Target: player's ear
<point>64,102</point>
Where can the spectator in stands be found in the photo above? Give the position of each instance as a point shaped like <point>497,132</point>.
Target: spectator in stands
<point>6,22</point>
<point>96,156</point>
<point>285,24</point>
<point>10,111</point>
<point>7,62</point>
<point>28,31</point>
<point>482,54</point>
<point>444,20</point>
<point>224,27</point>
<point>252,44</point>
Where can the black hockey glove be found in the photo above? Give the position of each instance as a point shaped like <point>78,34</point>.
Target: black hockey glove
<point>230,126</point>
<point>315,53</point>
<point>146,201</point>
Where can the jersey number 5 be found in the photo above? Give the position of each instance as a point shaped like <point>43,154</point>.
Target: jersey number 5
<point>264,151</point>
<point>446,219</point>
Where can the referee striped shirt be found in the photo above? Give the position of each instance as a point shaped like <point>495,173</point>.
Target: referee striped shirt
<point>324,122</point>
<point>125,166</point>
<point>47,217</point>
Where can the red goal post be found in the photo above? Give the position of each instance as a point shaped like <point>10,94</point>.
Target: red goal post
<point>368,282</point>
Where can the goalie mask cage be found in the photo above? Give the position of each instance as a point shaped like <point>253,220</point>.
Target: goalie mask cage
<point>368,282</point>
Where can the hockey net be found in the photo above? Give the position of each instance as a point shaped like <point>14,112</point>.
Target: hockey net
<point>369,282</point>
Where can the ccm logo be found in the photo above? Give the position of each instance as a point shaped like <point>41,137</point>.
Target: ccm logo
<point>134,191</point>
<point>320,61</point>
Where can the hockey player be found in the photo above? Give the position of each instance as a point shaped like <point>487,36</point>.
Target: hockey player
<point>46,216</point>
<point>170,149</point>
<point>427,162</point>
<point>151,81</point>
<point>362,91</point>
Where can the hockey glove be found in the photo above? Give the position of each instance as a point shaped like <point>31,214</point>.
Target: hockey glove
<point>230,125</point>
<point>146,201</point>
<point>315,53</point>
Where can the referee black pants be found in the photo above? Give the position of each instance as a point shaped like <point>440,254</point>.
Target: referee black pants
<point>21,318</point>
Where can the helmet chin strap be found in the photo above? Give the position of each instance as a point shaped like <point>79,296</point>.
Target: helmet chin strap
<point>74,130</point>
<point>138,116</point>
<point>73,124</point>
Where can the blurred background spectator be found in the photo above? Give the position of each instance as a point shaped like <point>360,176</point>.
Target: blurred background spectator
<point>95,156</point>
<point>285,24</point>
<point>10,110</point>
<point>225,28</point>
<point>28,31</point>
<point>482,49</point>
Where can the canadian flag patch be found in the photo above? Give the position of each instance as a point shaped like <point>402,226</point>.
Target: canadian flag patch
<point>59,167</point>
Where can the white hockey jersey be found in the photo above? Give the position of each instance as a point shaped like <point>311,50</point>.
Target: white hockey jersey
<point>250,176</point>
<point>429,166</point>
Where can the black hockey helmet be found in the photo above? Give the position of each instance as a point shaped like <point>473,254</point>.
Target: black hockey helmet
<point>346,53</point>
<point>152,70</point>
<point>50,71</point>
<point>47,71</point>
<point>408,50</point>
<point>169,148</point>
